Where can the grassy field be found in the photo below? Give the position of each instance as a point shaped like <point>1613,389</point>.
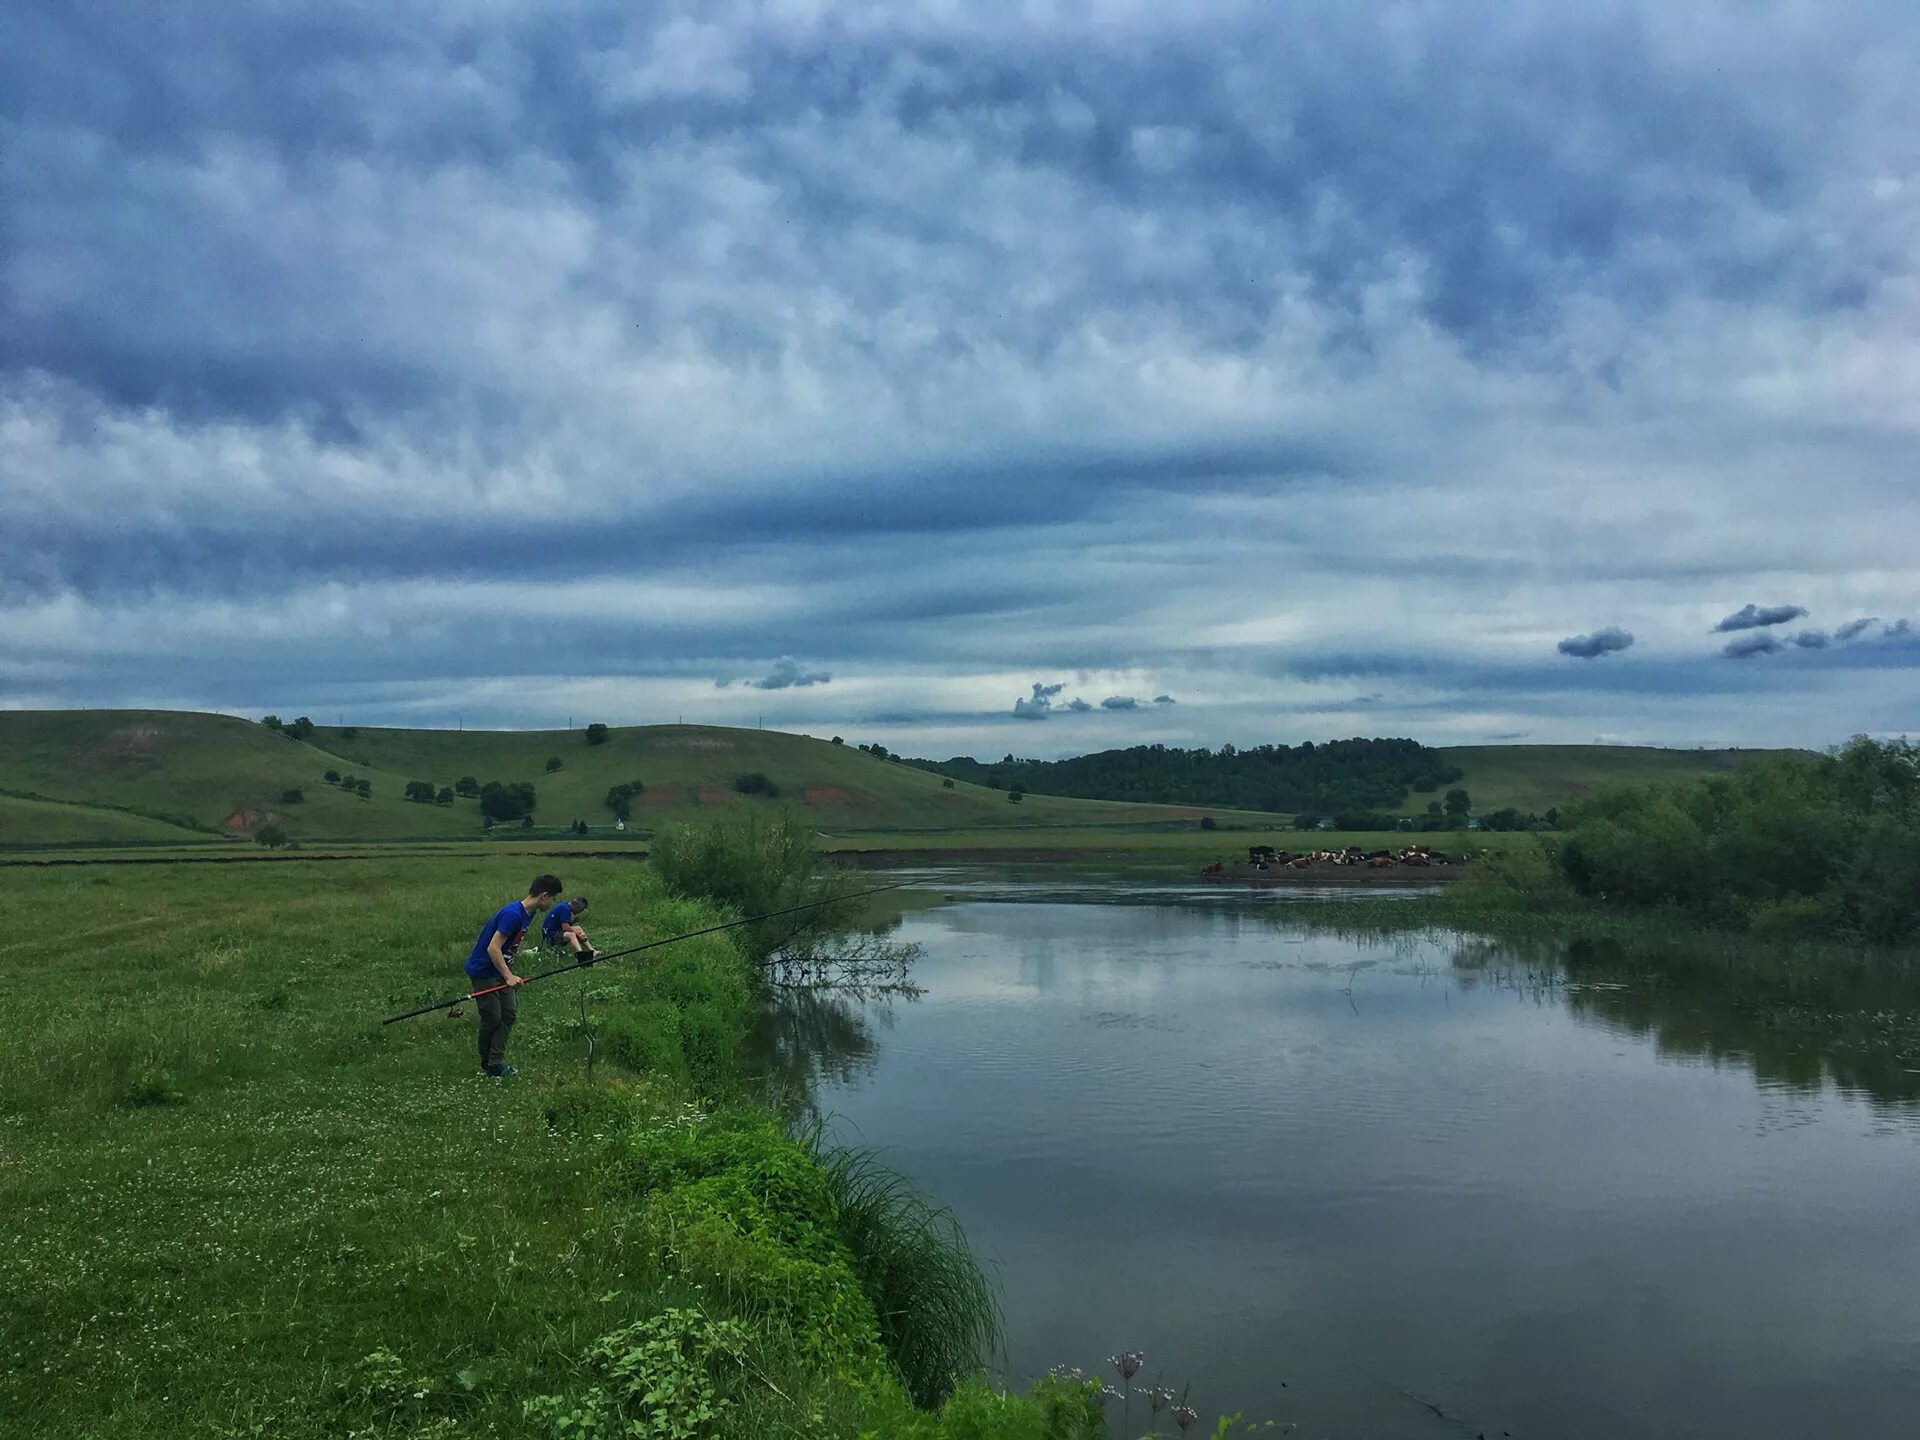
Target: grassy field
<point>144,776</point>
<point>238,1205</point>
<point>1535,778</point>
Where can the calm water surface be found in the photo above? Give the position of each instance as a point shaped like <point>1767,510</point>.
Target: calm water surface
<point>1333,1183</point>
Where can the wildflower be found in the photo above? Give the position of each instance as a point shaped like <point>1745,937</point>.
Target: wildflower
<point>1186,1415</point>
<point>1104,1394</point>
<point>1128,1362</point>
<point>1159,1396</point>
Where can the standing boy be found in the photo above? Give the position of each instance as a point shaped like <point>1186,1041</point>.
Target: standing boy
<point>491,963</point>
<point>562,931</point>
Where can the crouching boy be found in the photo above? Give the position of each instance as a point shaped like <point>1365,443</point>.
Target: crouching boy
<point>562,928</point>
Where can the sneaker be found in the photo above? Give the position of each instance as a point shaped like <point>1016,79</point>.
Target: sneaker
<point>501,1072</point>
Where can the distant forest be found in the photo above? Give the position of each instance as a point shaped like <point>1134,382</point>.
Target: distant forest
<point>1335,778</point>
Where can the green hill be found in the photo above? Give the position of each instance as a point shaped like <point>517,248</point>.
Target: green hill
<point>1536,778</point>
<point>163,774</point>
<point>144,776</point>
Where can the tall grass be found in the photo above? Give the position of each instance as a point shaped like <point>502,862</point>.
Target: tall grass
<point>940,1318</point>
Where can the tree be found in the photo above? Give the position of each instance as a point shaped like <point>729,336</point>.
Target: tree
<point>526,822</point>
<point>466,787</point>
<point>838,741</point>
<point>1014,797</point>
<point>1207,823</point>
<point>1458,802</point>
<point>445,797</point>
<point>293,796</point>
<point>579,827</point>
<point>300,729</point>
<point>1552,817</point>
<point>620,798</point>
<point>270,835</point>
<point>1306,820</point>
<point>1433,807</point>
<point>365,787</point>
<point>421,792</point>
<point>332,777</point>
<point>596,734</point>
<point>553,763</point>
<point>947,784</point>
<point>347,782</point>
<point>272,722</point>
<point>507,802</point>
<point>754,782</point>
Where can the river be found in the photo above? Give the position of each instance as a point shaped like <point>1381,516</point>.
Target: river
<point>1384,1187</point>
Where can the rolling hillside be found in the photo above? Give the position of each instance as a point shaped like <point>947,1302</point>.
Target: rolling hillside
<point>1535,778</point>
<point>145,776</point>
<point>192,776</point>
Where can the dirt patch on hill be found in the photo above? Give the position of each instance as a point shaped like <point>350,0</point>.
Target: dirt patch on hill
<point>697,744</point>
<point>659,795</point>
<point>823,797</point>
<point>713,794</point>
<point>130,742</point>
<point>241,822</point>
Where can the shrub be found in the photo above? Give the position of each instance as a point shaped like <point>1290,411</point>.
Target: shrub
<point>421,792</point>
<point>1207,823</point>
<point>293,796</point>
<point>507,802</point>
<point>596,734</point>
<point>754,782</point>
<point>673,1376</point>
<point>553,763</point>
<point>946,784</point>
<point>270,835</point>
<point>939,1318</point>
<point>332,777</point>
<point>838,741</point>
<point>754,865</point>
<point>364,787</point>
<point>1014,797</point>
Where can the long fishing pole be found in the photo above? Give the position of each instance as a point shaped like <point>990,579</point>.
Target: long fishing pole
<point>650,945</point>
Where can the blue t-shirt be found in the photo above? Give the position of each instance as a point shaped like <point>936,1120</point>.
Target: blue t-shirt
<point>511,922</point>
<point>561,914</point>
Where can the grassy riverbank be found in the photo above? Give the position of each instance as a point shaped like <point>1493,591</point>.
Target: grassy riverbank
<point>242,1206</point>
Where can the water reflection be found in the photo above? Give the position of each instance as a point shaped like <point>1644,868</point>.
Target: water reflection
<point>807,1039</point>
<point>1800,1018</point>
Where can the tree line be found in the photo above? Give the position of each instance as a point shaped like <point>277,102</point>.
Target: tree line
<point>1336,778</point>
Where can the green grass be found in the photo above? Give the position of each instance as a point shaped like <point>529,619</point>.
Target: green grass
<point>1535,778</point>
<point>53,822</point>
<point>239,1205</point>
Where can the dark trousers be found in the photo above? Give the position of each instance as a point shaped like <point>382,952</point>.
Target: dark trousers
<point>497,1013</point>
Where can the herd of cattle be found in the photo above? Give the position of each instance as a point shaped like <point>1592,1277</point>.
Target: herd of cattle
<point>1265,857</point>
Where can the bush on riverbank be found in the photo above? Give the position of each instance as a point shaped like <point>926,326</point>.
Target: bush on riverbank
<point>1786,845</point>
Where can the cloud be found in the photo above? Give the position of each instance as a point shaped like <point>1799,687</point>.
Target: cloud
<point>1812,640</point>
<point>1040,704</point>
<point>1120,702</point>
<point>1078,706</point>
<point>1750,646</point>
<point>1752,617</point>
<point>1600,642</point>
<point>1854,628</point>
<point>1899,630</point>
<point>787,675</point>
<point>1164,700</point>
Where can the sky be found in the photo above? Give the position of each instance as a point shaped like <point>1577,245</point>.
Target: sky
<point>972,378</point>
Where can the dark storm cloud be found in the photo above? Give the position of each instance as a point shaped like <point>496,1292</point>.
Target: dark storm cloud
<point>1749,646</point>
<point>1753,617</point>
<point>1119,702</point>
<point>1164,700</point>
<point>1078,706</point>
<point>787,674</point>
<point>1853,629</point>
<point>1812,640</point>
<point>1600,642</point>
<point>1040,704</point>
<point>926,324</point>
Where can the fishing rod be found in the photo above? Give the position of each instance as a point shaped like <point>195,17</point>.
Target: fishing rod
<point>650,945</point>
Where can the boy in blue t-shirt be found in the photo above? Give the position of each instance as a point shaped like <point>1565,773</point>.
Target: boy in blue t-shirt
<point>561,929</point>
<point>491,963</point>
